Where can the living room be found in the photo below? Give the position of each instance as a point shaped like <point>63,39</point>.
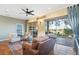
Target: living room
<point>23,29</point>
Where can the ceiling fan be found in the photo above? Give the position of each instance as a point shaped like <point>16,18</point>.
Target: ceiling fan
<point>27,11</point>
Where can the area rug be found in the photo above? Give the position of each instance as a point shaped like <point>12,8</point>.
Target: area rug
<point>16,48</point>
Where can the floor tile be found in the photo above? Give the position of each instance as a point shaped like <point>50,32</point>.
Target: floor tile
<point>63,50</point>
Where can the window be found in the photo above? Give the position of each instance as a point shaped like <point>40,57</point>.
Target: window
<point>58,26</point>
<point>19,29</point>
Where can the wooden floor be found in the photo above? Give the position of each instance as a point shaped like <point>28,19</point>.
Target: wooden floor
<point>4,49</point>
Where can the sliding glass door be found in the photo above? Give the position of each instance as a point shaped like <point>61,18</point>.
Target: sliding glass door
<point>57,25</point>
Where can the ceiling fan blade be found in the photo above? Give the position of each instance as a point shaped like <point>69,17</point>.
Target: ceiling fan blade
<point>27,9</point>
<point>31,14</point>
<point>32,11</point>
<point>26,14</point>
<point>23,10</point>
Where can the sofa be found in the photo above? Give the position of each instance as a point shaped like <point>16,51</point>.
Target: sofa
<point>13,37</point>
<point>39,46</point>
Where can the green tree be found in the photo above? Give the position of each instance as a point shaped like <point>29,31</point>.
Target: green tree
<point>68,32</point>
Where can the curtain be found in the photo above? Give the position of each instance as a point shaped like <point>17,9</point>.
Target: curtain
<point>47,27</point>
<point>73,17</point>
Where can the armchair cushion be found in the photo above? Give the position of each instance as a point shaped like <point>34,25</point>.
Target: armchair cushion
<point>28,50</point>
<point>13,37</point>
<point>27,45</point>
<point>35,44</point>
<point>33,52</point>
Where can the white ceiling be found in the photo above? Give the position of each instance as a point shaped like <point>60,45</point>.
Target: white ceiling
<point>14,10</point>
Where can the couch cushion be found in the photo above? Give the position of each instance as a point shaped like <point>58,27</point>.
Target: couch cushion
<point>52,36</point>
<point>42,38</point>
<point>15,39</point>
<point>35,44</point>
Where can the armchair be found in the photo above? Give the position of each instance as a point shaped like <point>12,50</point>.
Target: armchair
<point>13,37</point>
<point>30,48</point>
<point>38,47</point>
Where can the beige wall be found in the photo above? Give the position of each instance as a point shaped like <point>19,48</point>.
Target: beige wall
<point>41,27</point>
<point>8,25</point>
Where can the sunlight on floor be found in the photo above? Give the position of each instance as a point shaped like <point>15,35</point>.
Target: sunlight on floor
<point>63,50</point>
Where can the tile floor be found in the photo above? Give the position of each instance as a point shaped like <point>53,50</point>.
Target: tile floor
<point>63,50</point>
<point>65,41</point>
<point>63,46</point>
